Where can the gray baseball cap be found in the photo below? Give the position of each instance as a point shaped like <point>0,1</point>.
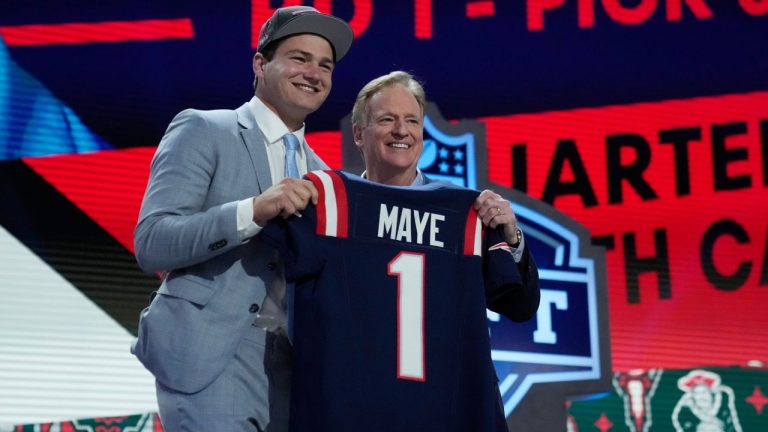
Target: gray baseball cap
<point>294,20</point>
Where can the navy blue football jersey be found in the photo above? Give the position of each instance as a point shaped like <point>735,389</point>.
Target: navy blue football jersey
<point>389,320</point>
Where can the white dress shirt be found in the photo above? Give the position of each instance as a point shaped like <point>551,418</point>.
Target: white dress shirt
<point>273,129</point>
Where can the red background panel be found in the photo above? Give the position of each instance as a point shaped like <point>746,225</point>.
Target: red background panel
<point>699,323</point>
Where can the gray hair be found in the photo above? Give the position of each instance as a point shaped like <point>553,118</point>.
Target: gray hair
<point>359,110</point>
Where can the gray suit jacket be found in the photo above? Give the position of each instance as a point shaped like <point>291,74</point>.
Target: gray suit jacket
<point>205,163</point>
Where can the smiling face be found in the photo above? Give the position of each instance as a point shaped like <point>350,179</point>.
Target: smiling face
<point>392,136</point>
<point>296,81</point>
<point>703,396</point>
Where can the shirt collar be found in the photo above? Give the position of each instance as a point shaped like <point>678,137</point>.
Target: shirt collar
<point>420,180</point>
<point>270,124</point>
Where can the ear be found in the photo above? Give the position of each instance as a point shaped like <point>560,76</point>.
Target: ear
<point>357,134</point>
<point>259,61</point>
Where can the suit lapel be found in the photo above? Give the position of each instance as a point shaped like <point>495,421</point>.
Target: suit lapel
<point>313,161</point>
<point>256,144</point>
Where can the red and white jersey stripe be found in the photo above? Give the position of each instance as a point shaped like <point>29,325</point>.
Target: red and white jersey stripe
<point>473,234</point>
<point>332,206</point>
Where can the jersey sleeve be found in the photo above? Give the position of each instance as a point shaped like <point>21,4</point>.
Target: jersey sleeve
<point>505,290</point>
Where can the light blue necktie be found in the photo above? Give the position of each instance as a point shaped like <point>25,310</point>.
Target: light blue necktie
<point>291,170</point>
<point>291,144</point>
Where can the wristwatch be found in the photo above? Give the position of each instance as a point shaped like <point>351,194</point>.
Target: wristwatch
<point>519,239</point>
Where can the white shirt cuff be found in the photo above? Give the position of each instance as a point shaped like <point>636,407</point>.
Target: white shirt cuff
<point>246,227</point>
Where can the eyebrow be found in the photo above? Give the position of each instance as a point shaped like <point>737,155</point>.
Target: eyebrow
<point>392,114</point>
<point>309,54</point>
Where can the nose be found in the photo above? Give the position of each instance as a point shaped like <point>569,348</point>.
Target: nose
<point>399,129</point>
<point>312,72</point>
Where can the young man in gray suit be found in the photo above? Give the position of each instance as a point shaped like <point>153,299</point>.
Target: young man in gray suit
<point>214,335</point>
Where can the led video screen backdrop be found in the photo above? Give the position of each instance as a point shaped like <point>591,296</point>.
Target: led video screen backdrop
<point>643,121</point>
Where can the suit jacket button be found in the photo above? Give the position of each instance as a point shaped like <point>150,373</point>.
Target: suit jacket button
<point>271,266</point>
<point>254,308</point>
<point>217,245</point>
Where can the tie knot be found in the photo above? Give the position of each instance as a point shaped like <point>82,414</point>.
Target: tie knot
<point>291,144</point>
<point>290,141</point>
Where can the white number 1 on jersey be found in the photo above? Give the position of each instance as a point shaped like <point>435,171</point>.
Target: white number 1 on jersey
<point>409,269</point>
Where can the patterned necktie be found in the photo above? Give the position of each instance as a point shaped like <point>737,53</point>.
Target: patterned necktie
<point>291,144</point>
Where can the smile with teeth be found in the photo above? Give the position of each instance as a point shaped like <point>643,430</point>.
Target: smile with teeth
<point>399,145</point>
<point>306,88</point>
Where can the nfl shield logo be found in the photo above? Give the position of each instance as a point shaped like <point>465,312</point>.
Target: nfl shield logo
<point>448,157</point>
